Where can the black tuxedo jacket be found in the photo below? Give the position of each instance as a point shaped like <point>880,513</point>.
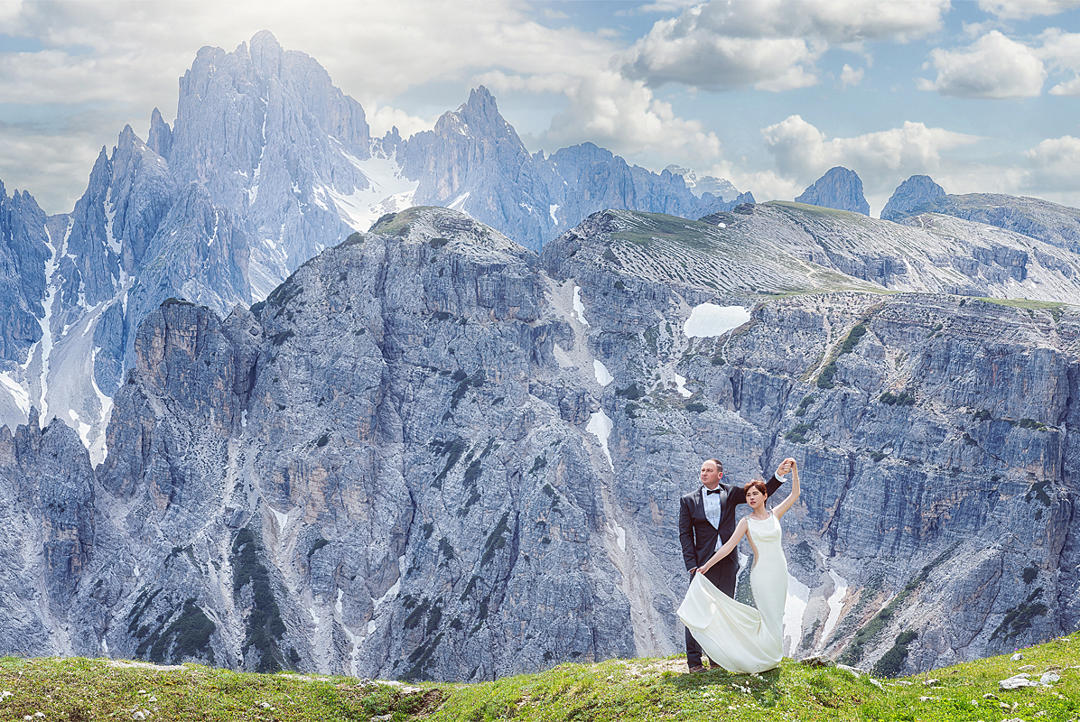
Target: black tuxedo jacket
<point>698,536</point>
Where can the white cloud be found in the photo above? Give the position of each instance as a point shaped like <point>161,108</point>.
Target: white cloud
<point>769,44</point>
<point>766,185</point>
<point>1053,164</point>
<point>849,76</point>
<point>33,160</point>
<point>994,66</point>
<point>1023,9</point>
<point>1061,52</point>
<point>625,116</point>
<point>9,11</point>
<point>883,158</point>
<point>382,118</point>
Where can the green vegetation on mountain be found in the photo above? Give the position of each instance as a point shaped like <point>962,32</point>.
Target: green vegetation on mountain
<point>639,689</point>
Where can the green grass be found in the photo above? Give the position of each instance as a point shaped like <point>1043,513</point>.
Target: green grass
<point>816,210</point>
<point>640,689</point>
<point>397,224</point>
<point>648,227</point>
<point>1023,303</point>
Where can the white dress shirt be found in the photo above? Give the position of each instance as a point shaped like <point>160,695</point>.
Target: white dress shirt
<point>711,503</point>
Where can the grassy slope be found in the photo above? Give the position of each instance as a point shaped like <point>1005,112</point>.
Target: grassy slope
<point>80,689</point>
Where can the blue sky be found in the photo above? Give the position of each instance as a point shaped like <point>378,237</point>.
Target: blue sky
<point>981,94</point>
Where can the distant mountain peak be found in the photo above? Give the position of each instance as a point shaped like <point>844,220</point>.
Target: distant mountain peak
<point>839,188</point>
<point>264,40</point>
<point>916,192</point>
<point>700,185</point>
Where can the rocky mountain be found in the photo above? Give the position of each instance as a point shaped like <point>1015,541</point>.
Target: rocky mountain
<point>473,161</point>
<point>934,253</point>
<point>1034,217</point>
<point>918,191</point>
<point>839,188</point>
<point>700,185</point>
<point>432,453</point>
<point>266,164</point>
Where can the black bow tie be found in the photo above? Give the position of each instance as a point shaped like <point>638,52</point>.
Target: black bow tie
<point>717,490</point>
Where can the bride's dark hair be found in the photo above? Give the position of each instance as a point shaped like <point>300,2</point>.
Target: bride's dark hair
<point>759,485</point>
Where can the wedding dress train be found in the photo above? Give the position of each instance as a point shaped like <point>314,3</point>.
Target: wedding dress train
<point>738,637</point>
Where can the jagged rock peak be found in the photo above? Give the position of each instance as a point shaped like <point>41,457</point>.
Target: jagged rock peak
<point>840,188</point>
<point>439,227</point>
<point>479,114</point>
<point>913,194</point>
<point>160,136</point>
<point>480,102</point>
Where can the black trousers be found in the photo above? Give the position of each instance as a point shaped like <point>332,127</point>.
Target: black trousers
<point>723,577</point>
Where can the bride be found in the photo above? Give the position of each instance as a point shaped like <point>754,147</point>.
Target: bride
<point>738,637</point>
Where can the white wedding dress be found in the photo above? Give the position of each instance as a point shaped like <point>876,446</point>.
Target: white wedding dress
<point>737,637</point>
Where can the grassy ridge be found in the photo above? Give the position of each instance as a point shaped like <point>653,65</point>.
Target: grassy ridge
<point>642,689</point>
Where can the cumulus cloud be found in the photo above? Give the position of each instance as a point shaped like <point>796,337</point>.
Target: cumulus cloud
<point>1053,164</point>
<point>612,111</point>
<point>769,44</point>
<point>802,152</point>
<point>1061,52</point>
<point>849,76</point>
<point>994,66</point>
<point>370,49</point>
<point>382,118</point>
<point>1023,9</point>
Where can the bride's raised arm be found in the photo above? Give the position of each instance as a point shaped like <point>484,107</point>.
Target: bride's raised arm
<point>730,544</point>
<point>792,497</point>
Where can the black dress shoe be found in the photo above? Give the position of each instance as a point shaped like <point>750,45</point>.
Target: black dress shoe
<point>696,668</point>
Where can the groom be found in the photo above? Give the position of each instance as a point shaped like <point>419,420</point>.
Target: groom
<point>706,520</point>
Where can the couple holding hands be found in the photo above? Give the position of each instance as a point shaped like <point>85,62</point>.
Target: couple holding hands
<point>737,637</point>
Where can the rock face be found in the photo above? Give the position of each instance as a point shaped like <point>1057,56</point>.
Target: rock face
<point>23,239</point>
<point>918,191</point>
<point>839,188</point>
<point>431,453</point>
<point>47,509</point>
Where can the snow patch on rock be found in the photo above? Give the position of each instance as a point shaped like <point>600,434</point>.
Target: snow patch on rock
<point>579,307</point>
<point>600,426</point>
<point>709,319</point>
<point>603,376</point>
<point>798,595</point>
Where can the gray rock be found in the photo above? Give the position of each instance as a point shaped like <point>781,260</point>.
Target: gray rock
<point>1017,681</point>
<point>918,191</point>
<point>839,188</point>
